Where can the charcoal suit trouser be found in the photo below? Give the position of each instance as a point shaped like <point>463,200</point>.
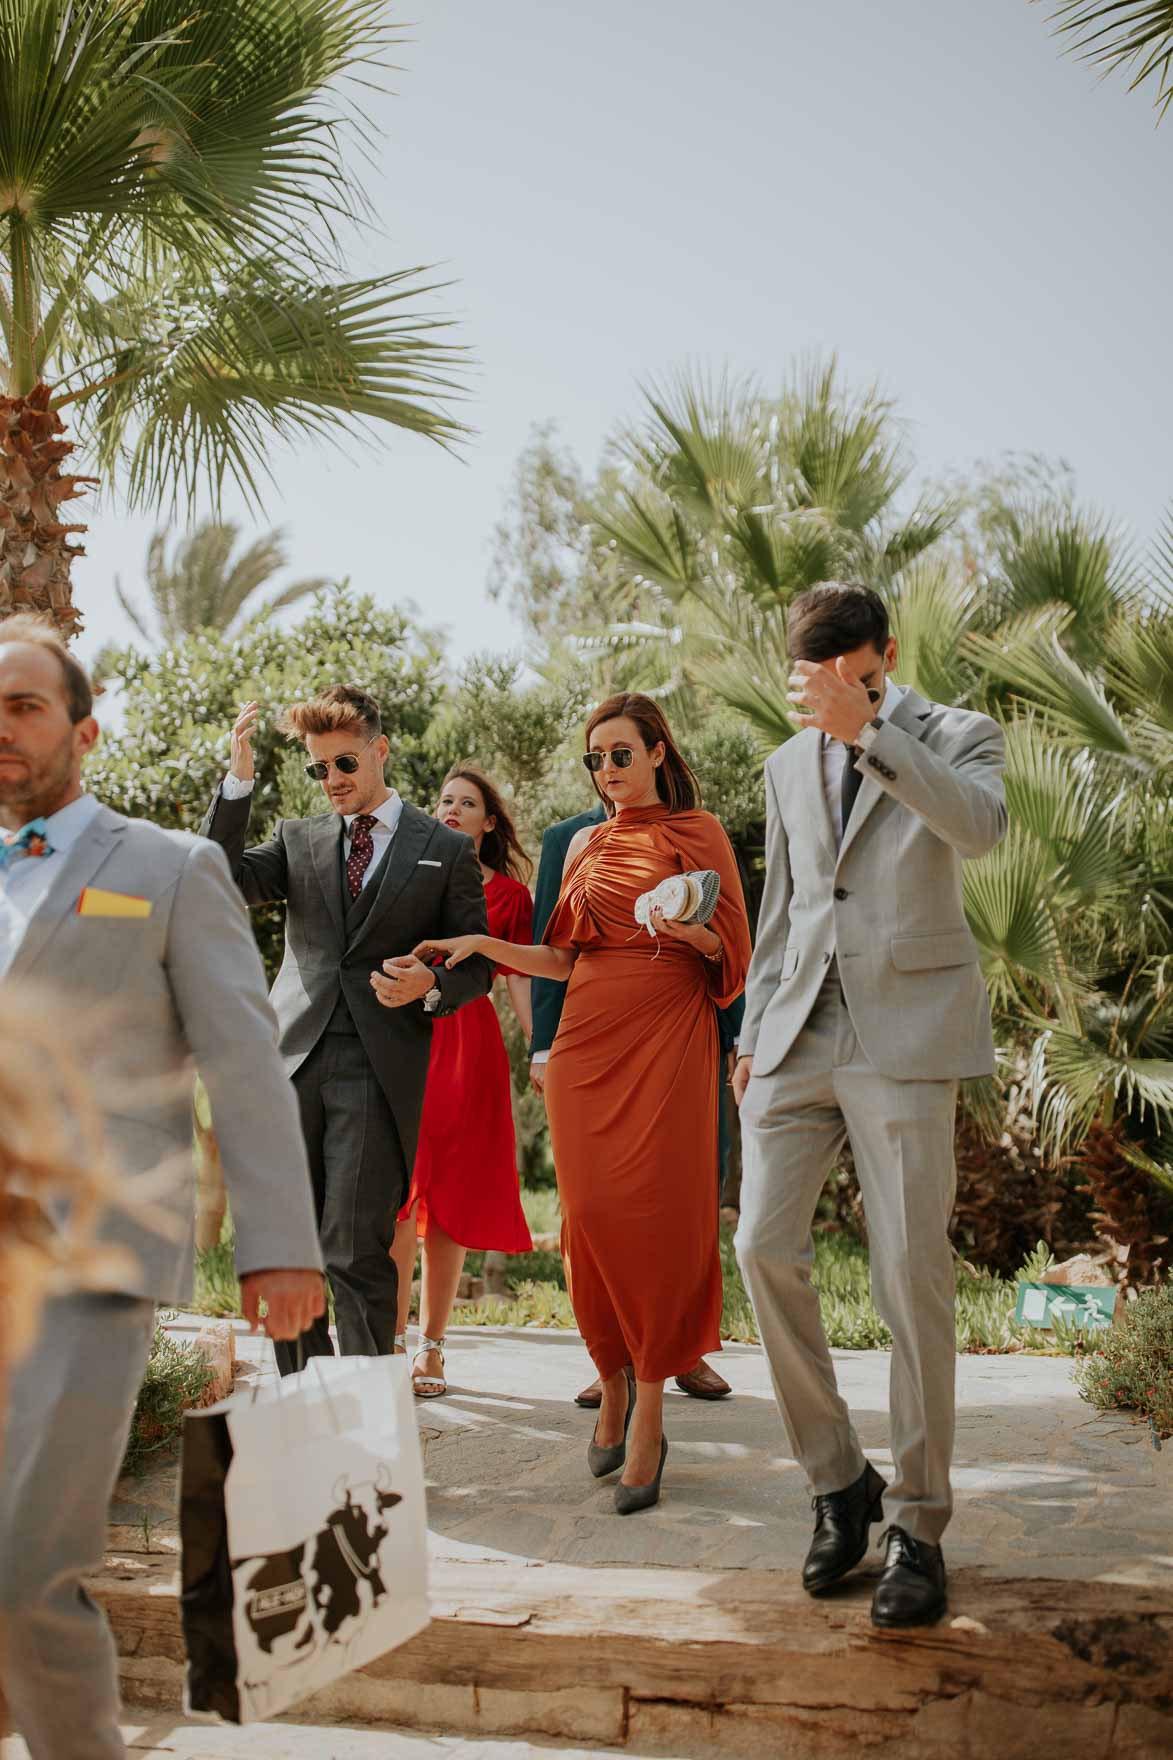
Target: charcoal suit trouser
<point>360,1181</point>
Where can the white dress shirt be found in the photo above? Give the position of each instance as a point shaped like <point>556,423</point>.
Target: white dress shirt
<point>836,756</point>
<point>386,824</point>
<point>25,880</point>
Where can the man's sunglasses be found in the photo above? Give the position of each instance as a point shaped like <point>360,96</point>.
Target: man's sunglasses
<point>346,765</point>
<point>620,756</point>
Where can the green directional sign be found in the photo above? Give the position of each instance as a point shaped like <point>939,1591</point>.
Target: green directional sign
<point>1075,1304</point>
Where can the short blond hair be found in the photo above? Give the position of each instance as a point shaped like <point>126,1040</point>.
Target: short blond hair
<point>342,707</point>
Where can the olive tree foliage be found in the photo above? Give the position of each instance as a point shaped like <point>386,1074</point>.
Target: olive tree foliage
<point>179,703</point>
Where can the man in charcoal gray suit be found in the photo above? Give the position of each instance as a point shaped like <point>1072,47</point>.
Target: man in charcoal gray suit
<point>142,933</point>
<point>361,884</point>
<point>865,1006</point>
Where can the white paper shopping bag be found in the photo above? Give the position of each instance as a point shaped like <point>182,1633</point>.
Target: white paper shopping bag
<point>304,1534</point>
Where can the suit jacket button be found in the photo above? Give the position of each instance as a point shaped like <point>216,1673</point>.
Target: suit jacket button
<point>841,893</point>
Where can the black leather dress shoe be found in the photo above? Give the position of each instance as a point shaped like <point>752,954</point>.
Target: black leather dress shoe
<point>911,1589</point>
<point>842,1520</point>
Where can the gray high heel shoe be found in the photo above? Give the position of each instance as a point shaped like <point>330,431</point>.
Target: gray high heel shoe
<point>630,1498</point>
<point>602,1461</point>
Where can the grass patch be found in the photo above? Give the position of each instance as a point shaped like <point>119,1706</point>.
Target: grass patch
<point>176,1379</point>
<point>537,1294</point>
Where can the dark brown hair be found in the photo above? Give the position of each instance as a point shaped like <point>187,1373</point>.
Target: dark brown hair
<point>501,847</point>
<point>340,708</point>
<point>835,618</point>
<point>676,784</point>
<point>26,626</point>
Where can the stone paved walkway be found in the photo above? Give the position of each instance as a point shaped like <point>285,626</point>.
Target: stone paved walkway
<point>167,1738</point>
<point>1045,1485</point>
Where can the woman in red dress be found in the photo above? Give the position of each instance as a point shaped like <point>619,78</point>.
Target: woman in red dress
<point>464,1188</point>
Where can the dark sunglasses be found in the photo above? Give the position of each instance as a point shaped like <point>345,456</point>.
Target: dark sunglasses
<point>346,765</point>
<point>621,756</point>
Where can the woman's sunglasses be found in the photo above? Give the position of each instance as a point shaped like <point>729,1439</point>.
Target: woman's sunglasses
<point>620,756</point>
<point>346,765</point>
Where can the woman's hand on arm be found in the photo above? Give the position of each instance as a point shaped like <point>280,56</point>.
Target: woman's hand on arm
<point>530,961</point>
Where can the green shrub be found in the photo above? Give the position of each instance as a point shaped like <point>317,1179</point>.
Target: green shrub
<point>1131,1365</point>
<point>177,1378</point>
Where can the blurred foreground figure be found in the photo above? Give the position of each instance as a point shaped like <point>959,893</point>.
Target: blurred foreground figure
<point>116,912</point>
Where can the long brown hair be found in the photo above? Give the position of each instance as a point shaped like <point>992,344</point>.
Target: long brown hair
<point>676,783</point>
<point>501,847</point>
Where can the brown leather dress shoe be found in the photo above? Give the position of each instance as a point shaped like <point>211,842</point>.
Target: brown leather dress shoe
<point>703,1382</point>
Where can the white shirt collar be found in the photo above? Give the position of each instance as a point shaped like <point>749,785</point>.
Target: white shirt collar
<point>67,824</point>
<point>387,814</point>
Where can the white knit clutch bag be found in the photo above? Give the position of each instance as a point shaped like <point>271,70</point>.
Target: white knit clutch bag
<point>683,898</point>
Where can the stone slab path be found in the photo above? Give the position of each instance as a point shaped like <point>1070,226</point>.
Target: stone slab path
<point>167,1738</point>
<point>1045,1485</point>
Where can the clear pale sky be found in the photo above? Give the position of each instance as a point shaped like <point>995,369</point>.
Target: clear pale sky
<point>929,187</point>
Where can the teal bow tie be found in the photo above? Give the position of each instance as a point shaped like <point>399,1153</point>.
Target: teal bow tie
<point>31,840</point>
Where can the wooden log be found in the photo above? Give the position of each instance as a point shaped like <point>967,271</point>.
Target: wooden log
<point>731,1662</point>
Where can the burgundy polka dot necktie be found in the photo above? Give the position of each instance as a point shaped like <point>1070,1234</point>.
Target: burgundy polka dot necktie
<point>362,848</point>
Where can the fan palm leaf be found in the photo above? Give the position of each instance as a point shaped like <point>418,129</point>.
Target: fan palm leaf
<point>1029,656</point>
<point>173,196</point>
<point>1134,34</point>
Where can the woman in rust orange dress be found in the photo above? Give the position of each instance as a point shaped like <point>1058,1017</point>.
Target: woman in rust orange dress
<point>631,1084</point>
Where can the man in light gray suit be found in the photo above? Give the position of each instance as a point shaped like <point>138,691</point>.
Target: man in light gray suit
<point>362,884</point>
<point>145,924</point>
<point>865,1006</point>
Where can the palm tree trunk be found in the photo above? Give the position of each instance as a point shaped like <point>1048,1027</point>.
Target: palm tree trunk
<point>35,555</point>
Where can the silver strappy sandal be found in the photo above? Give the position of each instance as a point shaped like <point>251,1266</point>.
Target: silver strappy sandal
<point>428,1386</point>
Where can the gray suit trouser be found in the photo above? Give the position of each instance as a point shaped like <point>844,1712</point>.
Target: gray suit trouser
<point>70,1407</point>
<point>360,1181</point>
<point>794,1123</point>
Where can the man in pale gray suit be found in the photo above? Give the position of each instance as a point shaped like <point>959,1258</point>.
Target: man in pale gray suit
<point>865,1006</point>
<point>145,924</point>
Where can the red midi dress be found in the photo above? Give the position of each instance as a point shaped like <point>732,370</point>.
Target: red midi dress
<point>465,1174</point>
<point>631,1093</point>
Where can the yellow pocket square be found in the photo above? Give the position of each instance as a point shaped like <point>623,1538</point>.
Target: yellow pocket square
<point>96,902</point>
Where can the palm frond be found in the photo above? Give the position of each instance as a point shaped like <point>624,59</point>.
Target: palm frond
<point>1028,655</point>
<point>1134,34</point>
<point>208,379</point>
<point>1070,808</point>
<point>932,607</point>
<point>1008,903</point>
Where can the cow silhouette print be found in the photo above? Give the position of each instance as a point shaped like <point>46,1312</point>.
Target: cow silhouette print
<point>313,1594</point>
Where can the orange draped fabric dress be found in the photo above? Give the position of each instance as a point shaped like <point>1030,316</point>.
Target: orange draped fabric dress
<point>632,1093</point>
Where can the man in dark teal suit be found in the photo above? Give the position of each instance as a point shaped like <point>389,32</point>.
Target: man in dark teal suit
<point>701,1381</point>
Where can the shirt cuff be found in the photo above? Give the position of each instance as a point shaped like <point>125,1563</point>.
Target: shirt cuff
<point>868,736</point>
<point>433,999</point>
<point>538,1057</point>
<point>234,789</point>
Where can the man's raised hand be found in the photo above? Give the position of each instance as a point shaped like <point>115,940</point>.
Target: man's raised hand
<point>243,766</point>
<point>831,699</point>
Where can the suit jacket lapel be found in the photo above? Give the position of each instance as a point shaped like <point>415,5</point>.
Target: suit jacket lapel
<point>96,842</point>
<point>412,836</point>
<point>910,715</point>
<point>813,772</point>
<point>326,845</point>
